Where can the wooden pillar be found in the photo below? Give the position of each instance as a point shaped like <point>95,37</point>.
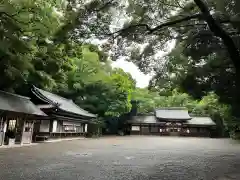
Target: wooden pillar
<point>50,125</point>
<point>3,128</point>
<point>22,129</point>
<point>140,132</point>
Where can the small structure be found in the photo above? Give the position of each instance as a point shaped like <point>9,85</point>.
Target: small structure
<point>65,118</point>
<point>17,116</point>
<point>170,122</point>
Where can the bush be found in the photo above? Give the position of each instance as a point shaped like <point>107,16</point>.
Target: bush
<point>235,135</point>
<point>95,129</point>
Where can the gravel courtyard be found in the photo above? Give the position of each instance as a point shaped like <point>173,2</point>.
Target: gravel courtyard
<point>125,158</point>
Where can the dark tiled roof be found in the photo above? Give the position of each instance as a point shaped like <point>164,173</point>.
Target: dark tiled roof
<point>206,121</point>
<point>62,103</point>
<point>172,113</point>
<point>16,103</point>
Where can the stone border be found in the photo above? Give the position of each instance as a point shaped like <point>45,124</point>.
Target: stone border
<point>42,142</point>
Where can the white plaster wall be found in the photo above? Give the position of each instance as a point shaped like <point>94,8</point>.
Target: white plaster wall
<point>54,129</point>
<point>59,126</point>
<point>135,128</point>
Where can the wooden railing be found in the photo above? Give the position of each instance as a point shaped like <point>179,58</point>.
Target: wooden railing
<point>66,134</point>
<point>43,136</point>
<point>196,134</point>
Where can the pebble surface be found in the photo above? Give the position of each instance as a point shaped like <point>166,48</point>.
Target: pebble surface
<point>124,158</point>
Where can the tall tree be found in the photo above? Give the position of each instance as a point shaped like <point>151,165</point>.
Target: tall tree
<point>24,25</point>
<point>139,28</point>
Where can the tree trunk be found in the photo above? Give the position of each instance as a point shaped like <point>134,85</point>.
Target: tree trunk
<point>233,51</point>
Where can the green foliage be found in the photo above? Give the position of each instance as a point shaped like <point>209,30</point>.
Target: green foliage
<point>200,76</point>
<point>95,128</point>
<point>146,100</point>
<point>31,53</point>
<point>24,25</point>
<point>45,43</point>
<point>94,85</point>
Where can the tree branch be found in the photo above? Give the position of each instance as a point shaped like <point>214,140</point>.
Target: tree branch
<point>170,23</point>
<point>166,24</point>
<point>151,30</point>
<point>218,31</point>
<point>233,51</point>
<point>129,28</point>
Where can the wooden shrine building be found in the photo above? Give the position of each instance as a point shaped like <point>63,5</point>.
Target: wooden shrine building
<point>65,118</point>
<point>17,116</point>
<point>170,122</point>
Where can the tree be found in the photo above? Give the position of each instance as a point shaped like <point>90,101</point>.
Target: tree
<point>48,44</point>
<point>110,96</point>
<point>150,25</point>
<point>24,26</point>
<point>199,78</point>
<point>193,29</point>
<point>204,36</point>
<point>32,53</point>
<point>90,81</point>
<point>145,100</point>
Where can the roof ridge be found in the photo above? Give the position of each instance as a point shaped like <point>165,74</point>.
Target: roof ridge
<point>57,96</point>
<point>36,92</point>
<point>13,94</point>
<point>63,98</point>
<point>52,93</point>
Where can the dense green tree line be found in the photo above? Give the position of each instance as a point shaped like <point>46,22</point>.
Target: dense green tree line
<point>31,54</point>
<point>48,43</point>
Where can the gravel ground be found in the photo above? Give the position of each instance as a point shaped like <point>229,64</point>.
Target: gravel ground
<point>125,158</point>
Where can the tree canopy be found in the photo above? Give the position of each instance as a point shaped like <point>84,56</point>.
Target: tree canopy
<point>31,53</point>
<point>50,44</point>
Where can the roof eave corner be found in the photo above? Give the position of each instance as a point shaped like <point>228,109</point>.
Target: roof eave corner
<point>39,95</point>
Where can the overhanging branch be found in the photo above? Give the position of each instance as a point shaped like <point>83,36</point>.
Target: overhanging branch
<point>170,23</point>
<point>218,31</point>
<point>151,30</point>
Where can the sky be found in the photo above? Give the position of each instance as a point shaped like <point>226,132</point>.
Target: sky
<point>141,78</point>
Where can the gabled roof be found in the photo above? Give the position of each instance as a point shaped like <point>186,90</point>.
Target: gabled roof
<point>206,121</point>
<point>62,103</point>
<point>172,113</point>
<point>20,104</point>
